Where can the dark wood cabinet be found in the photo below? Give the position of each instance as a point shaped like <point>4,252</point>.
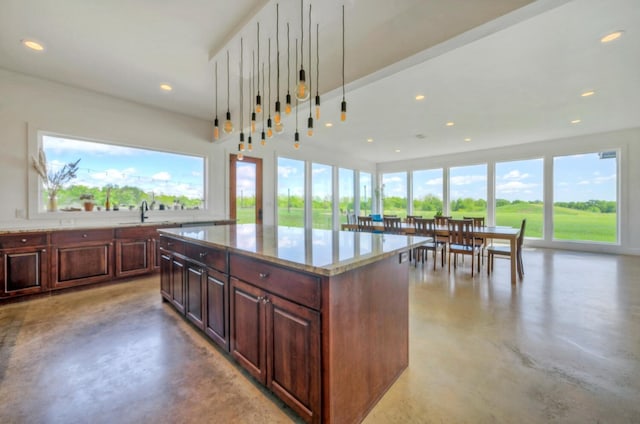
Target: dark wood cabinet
<point>276,340</point>
<point>194,285</point>
<point>24,264</point>
<point>177,283</point>
<point>81,257</point>
<point>217,307</point>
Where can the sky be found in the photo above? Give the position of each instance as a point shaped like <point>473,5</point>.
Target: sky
<point>152,171</point>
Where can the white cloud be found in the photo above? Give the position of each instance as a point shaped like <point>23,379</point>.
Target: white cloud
<point>515,175</point>
<point>584,182</point>
<point>434,181</point>
<point>514,187</point>
<point>69,145</point>
<point>161,176</point>
<point>467,179</point>
<point>604,179</point>
<point>286,171</point>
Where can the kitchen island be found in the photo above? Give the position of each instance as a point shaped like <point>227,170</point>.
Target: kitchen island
<point>319,317</point>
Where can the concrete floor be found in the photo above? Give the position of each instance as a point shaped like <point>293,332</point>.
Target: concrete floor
<point>561,346</point>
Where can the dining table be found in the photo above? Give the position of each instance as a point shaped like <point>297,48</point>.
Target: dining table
<point>509,234</point>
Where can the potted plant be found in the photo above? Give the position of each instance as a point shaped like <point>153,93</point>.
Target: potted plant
<point>87,201</point>
<point>54,180</point>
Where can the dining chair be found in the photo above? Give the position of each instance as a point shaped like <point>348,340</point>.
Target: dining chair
<point>392,225</point>
<point>478,222</point>
<point>506,251</point>
<point>442,222</point>
<point>412,218</point>
<point>365,223</point>
<point>427,228</point>
<point>462,241</point>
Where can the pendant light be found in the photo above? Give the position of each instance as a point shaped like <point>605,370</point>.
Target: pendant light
<point>241,145</point>
<point>343,106</point>
<point>269,126</point>
<point>296,136</point>
<point>258,99</point>
<point>310,120</point>
<point>302,90</point>
<point>317,72</point>
<point>263,140</point>
<point>253,110</point>
<point>287,107</point>
<point>251,113</point>
<point>216,128</point>
<point>276,116</point>
<point>228,125</point>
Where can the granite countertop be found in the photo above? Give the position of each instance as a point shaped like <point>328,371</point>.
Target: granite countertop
<point>98,225</point>
<point>323,252</point>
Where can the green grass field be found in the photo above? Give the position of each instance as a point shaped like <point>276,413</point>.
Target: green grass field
<point>570,224</point>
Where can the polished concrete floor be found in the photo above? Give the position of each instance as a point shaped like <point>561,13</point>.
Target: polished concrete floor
<point>561,346</point>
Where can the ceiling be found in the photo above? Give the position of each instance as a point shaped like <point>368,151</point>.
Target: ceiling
<point>504,72</point>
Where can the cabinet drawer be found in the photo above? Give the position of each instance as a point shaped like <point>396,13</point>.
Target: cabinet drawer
<point>81,236</point>
<point>211,257</point>
<point>136,232</point>
<point>23,240</point>
<point>293,285</point>
<point>171,244</point>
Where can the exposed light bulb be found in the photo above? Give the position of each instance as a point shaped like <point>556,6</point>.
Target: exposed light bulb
<point>269,129</point>
<point>216,129</point>
<point>258,104</point>
<point>228,125</point>
<point>343,111</point>
<point>302,89</point>
<point>317,107</point>
<point>279,128</point>
<point>240,156</point>
<point>249,145</point>
<point>310,126</point>
<point>276,117</point>
<point>296,140</point>
<point>262,140</point>
<point>287,106</point>
<point>253,122</point>
<point>296,145</point>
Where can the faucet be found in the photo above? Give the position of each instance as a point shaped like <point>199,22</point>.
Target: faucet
<point>143,208</point>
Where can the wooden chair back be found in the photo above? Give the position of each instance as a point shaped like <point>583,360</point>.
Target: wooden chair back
<point>461,232</point>
<point>411,219</point>
<point>478,221</point>
<point>442,220</point>
<point>392,224</point>
<point>365,223</point>
<point>425,227</point>
<point>520,240</point>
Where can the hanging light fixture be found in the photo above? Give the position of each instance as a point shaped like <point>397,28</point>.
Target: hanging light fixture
<point>216,128</point>
<point>296,136</point>
<point>241,145</point>
<point>251,113</point>
<point>269,126</point>
<point>228,125</point>
<point>263,140</point>
<point>310,120</point>
<point>276,116</point>
<point>258,99</point>
<point>343,106</point>
<point>287,107</point>
<point>317,72</point>
<point>302,90</point>
<point>253,110</point>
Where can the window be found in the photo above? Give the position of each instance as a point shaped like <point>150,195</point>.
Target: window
<point>519,194</point>
<point>394,194</point>
<point>113,177</point>
<point>427,192</point>
<point>585,197</point>
<point>290,192</point>
<point>346,193</point>
<point>468,191</point>
<point>366,190</point>
<point>321,196</point>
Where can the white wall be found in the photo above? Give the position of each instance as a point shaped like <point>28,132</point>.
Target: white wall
<point>629,202</point>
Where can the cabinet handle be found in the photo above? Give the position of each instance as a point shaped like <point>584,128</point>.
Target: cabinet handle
<point>169,244</point>
<point>44,250</point>
<point>260,299</point>
<point>84,236</point>
<point>265,300</point>
<point>263,275</point>
<point>23,240</point>
<point>203,254</point>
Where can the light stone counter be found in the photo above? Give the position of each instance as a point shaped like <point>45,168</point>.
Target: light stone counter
<point>322,252</point>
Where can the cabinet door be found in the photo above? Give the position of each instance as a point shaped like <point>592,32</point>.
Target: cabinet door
<point>165,276</point>
<point>24,272</point>
<point>246,324</point>
<point>217,307</point>
<point>156,254</point>
<point>132,257</point>
<point>194,282</point>
<point>293,355</point>
<point>177,283</point>
<point>83,264</point>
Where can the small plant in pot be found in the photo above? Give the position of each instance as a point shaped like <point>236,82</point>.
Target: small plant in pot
<point>87,201</point>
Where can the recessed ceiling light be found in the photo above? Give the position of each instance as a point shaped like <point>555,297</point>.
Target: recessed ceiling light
<point>420,97</point>
<point>467,139</point>
<point>33,45</point>
<point>450,124</point>
<point>369,140</point>
<point>397,150</point>
<point>588,93</point>
<point>576,121</point>
<point>611,36</point>
<point>166,87</point>
<point>328,124</point>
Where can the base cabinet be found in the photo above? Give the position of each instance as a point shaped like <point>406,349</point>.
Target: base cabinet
<point>278,342</point>
<point>217,307</point>
<point>24,264</point>
<point>194,284</point>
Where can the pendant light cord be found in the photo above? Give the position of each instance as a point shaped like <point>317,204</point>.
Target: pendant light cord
<point>310,85</point>
<point>317,58</point>
<point>278,51</point>
<point>301,35</point>
<point>241,87</point>
<point>297,101</point>
<point>269,85</point>
<point>263,92</point>
<point>228,81</point>
<point>216,89</point>
<point>259,58</point>
<point>288,61</point>
<point>343,52</point>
